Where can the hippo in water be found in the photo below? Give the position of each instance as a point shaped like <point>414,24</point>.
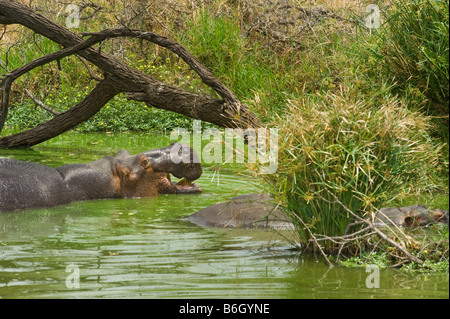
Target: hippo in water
<point>245,211</point>
<point>260,211</point>
<point>410,216</point>
<point>31,185</point>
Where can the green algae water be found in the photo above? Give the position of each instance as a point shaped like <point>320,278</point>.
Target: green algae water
<point>146,248</point>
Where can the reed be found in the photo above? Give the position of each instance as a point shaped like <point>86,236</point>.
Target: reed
<point>366,157</point>
<point>413,49</point>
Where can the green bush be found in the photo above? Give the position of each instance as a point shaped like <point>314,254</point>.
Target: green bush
<point>247,67</point>
<point>413,49</point>
<point>119,114</point>
<point>366,157</point>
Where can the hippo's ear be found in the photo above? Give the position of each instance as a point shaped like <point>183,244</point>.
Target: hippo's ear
<point>122,171</point>
<point>143,161</point>
<point>122,154</point>
<point>439,216</point>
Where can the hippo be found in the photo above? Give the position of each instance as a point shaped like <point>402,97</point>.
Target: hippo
<point>30,185</point>
<point>245,211</point>
<point>410,216</point>
<point>260,211</point>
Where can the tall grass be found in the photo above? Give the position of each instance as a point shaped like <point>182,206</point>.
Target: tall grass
<point>411,52</point>
<point>247,67</point>
<point>413,49</point>
<point>365,157</point>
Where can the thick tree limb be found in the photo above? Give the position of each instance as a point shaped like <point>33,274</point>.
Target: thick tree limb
<point>10,77</point>
<point>81,112</point>
<point>205,74</point>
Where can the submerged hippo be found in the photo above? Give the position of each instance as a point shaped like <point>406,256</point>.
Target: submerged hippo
<point>410,216</point>
<point>245,211</point>
<point>31,185</point>
<point>259,211</point>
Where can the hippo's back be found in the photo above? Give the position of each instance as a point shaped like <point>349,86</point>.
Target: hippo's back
<point>25,185</point>
<point>245,211</point>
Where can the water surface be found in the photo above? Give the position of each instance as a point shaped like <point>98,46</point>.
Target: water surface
<point>145,248</point>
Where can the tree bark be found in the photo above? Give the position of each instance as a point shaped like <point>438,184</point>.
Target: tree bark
<point>225,112</point>
<point>81,112</point>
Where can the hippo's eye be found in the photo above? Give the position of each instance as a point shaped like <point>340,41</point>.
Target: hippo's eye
<point>145,163</point>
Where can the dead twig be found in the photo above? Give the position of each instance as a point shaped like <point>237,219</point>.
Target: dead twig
<point>376,230</point>
<point>314,239</point>
<point>40,103</point>
<point>91,72</point>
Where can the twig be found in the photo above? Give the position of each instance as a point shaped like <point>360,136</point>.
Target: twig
<point>40,103</point>
<point>345,237</point>
<point>315,240</point>
<point>10,77</point>
<point>377,231</point>
<point>205,74</point>
<point>91,72</point>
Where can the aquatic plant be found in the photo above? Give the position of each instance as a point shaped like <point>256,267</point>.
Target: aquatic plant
<point>338,156</point>
<point>413,49</point>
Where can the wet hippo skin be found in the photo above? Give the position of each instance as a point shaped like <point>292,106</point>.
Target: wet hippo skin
<point>410,216</point>
<point>30,185</point>
<point>246,211</point>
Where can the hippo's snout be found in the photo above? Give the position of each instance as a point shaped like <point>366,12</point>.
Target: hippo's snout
<point>176,159</point>
<point>187,164</point>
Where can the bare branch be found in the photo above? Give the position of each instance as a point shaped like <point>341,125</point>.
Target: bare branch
<point>314,239</point>
<point>229,112</point>
<point>377,230</point>
<point>90,105</point>
<point>10,77</point>
<point>40,103</point>
<point>205,74</point>
<point>91,72</point>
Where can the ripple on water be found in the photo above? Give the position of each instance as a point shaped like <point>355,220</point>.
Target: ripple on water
<point>145,248</point>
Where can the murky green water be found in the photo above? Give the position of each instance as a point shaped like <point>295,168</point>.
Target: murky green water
<point>144,248</point>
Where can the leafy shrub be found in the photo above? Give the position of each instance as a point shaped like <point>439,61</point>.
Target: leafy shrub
<point>413,48</point>
<point>365,157</point>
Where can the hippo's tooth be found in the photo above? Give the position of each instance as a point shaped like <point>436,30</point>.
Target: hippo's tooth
<point>184,182</point>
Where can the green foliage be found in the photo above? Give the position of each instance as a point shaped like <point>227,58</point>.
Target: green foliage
<point>118,115</point>
<point>412,49</point>
<point>410,55</point>
<point>365,157</point>
<point>245,66</point>
<point>430,244</point>
<point>122,115</point>
<point>349,103</point>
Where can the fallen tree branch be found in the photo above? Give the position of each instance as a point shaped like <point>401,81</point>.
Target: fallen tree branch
<point>89,106</point>
<point>225,112</point>
<point>205,74</point>
<point>10,77</point>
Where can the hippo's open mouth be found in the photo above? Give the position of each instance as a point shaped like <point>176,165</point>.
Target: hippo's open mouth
<point>187,186</point>
<point>179,161</point>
